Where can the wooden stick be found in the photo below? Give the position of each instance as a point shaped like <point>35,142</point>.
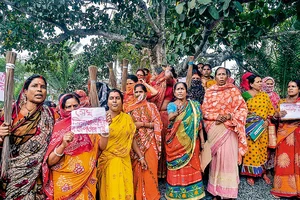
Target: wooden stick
<point>93,89</point>
<point>112,77</point>
<point>8,99</point>
<point>124,74</point>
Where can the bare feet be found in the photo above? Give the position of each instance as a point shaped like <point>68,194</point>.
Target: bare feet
<point>250,181</point>
<point>266,179</point>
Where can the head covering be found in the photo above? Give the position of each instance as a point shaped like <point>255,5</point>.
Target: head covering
<point>196,91</point>
<point>269,89</point>
<point>245,86</point>
<point>83,98</point>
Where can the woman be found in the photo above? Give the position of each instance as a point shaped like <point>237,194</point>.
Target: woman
<point>30,132</point>
<point>225,113</point>
<point>259,109</point>
<point>287,167</point>
<point>146,145</point>
<point>69,167</point>
<point>268,84</point>
<point>163,82</point>
<point>184,179</point>
<point>114,165</point>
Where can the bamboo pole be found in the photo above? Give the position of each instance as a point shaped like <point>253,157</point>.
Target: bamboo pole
<point>112,77</point>
<point>8,99</point>
<point>124,74</point>
<point>93,89</point>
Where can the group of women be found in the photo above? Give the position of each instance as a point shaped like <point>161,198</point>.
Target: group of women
<point>157,129</point>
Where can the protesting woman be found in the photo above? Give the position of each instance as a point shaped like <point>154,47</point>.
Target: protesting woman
<point>30,133</point>
<point>146,145</point>
<point>69,167</point>
<point>287,167</point>
<point>114,165</point>
<point>184,179</point>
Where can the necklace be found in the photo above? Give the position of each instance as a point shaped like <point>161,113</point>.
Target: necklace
<point>29,111</point>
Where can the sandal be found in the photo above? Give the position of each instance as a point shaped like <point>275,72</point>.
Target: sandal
<point>266,179</point>
<point>250,181</point>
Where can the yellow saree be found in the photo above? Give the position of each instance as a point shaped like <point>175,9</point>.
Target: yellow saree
<point>114,165</point>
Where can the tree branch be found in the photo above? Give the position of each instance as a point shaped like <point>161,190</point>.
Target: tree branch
<point>143,5</point>
<point>276,35</point>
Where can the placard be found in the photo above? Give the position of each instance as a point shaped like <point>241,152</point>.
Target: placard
<point>89,121</point>
<point>292,109</point>
<point>2,85</point>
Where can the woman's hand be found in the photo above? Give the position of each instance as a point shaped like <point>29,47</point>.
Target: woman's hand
<point>266,124</point>
<point>143,163</point>
<point>280,114</point>
<point>67,139</point>
<point>108,118</point>
<point>221,119</point>
<point>4,130</point>
<point>139,124</point>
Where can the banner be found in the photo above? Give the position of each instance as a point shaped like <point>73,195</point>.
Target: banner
<point>292,109</point>
<point>89,121</point>
<point>2,85</point>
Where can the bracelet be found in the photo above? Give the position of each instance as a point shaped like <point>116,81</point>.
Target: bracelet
<point>143,124</point>
<point>191,63</point>
<point>150,125</point>
<point>141,158</point>
<point>57,154</point>
<point>106,135</point>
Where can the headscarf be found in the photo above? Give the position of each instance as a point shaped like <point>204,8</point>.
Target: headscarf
<point>269,89</point>
<point>84,99</point>
<point>245,86</point>
<point>196,91</point>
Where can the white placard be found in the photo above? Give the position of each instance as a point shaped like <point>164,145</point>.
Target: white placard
<point>292,109</point>
<point>89,121</point>
<point>2,85</point>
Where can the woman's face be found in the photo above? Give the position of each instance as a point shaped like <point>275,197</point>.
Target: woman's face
<point>257,84</point>
<point>139,93</point>
<point>269,83</point>
<point>114,102</point>
<point>180,91</point>
<point>37,91</point>
<point>71,104</point>
<point>293,89</point>
<point>196,77</point>
<point>221,77</point>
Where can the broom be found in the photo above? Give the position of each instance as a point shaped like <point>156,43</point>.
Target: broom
<point>112,77</point>
<point>93,89</point>
<point>8,97</point>
<point>124,74</point>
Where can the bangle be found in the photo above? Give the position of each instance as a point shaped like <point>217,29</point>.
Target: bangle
<point>104,135</point>
<point>191,63</point>
<point>57,154</point>
<point>151,125</point>
<point>143,124</point>
<point>141,158</point>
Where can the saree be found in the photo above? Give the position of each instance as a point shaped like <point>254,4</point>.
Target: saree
<point>149,143</point>
<point>227,140</point>
<point>74,176</point>
<point>287,159</point>
<point>165,91</point>
<point>184,179</point>
<point>256,157</point>
<point>30,136</point>
<point>114,164</point>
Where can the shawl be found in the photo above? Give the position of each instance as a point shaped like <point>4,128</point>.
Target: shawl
<point>129,98</point>
<point>274,97</point>
<point>245,86</point>
<point>161,87</point>
<point>29,139</point>
<point>182,135</point>
<point>84,99</point>
<point>226,99</point>
<point>196,91</point>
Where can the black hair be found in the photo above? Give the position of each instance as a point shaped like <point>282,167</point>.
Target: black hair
<point>158,70</point>
<point>196,71</point>
<point>183,83</point>
<point>251,79</point>
<point>297,83</point>
<point>146,69</point>
<point>116,90</point>
<point>140,70</point>
<point>60,96</point>
<point>31,78</point>
<point>67,97</point>
<point>142,86</point>
<point>227,73</point>
<point>173,71</point>
<point>207,65</point>
<point>134,78</point>
<point>50,104</point>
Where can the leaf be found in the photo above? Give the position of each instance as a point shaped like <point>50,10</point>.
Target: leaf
<point>204,2</point>
<point>202,9</point>
<point>192,4</point>
<point>182,17</point>
<point>183,35</point>
<point>178,37</point>
<point>213,12</point>
<point>172,36</point>
<point>239,6</point>
<point>226,4</point>
<point>179,8</point>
